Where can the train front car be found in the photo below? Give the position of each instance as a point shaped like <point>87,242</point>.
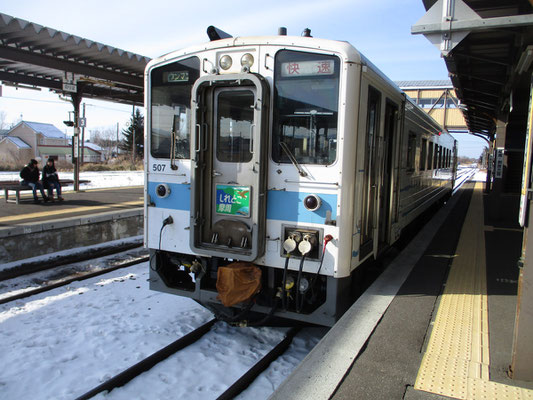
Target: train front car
<point>275,167</point>
<point>244,166</point>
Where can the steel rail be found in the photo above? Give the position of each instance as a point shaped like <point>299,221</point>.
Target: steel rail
<point>25,268</point>
<point>74,279</point>
<point>245,380</point>
<point>144,365</point>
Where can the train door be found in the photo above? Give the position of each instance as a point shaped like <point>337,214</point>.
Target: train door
<point>229,170</point>
<point>370,172</point>
<point>387,168</point>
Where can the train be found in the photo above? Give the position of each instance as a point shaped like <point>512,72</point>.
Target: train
<point>275,166</point>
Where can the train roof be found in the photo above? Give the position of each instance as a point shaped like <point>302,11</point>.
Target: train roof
<point>344,48</point>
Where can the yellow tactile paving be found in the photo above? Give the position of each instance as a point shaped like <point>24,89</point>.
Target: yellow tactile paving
<point>456,362</point>
<point>65,211</point>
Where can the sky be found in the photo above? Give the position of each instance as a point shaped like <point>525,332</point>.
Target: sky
<point>380,29</point>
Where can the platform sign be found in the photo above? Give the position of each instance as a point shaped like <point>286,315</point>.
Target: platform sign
<point>75,147</point>
<point>498,168</point>
<point>70,87</point>
<point>526,171</point>
<point>233,200</point>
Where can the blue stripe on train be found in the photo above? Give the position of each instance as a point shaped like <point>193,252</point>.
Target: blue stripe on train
<point>282,205</point>
<point>288,206</point>
<point>179,198</point>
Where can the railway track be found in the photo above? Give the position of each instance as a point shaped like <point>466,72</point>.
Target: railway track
<point>235,389</point>
<point>71,275</point>
<point>25,267</point>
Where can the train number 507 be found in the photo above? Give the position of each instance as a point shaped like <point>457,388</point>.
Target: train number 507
<point>158,167</point>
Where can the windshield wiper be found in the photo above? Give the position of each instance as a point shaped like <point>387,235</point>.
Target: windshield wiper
<point>293,159</point>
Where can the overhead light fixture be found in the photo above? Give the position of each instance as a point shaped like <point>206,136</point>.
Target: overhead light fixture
<point>525,60</point>
<point>21,86</point>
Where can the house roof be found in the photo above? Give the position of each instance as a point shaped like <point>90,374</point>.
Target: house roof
<point>47,130</point>
<point>426,84</point>
<point>21,144</point>
<point>93,146</point>
<point>63,150</point>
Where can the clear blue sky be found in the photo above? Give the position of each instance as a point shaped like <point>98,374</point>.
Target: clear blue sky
<point>380,29</point>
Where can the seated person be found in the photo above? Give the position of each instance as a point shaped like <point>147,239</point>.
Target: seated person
<point>30,177</point>
<point>51,180</point>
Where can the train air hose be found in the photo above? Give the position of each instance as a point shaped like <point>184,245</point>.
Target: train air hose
<point>283,290</point>
<point>327,239</point>
<point>289,245</point>
<point>299,302</point>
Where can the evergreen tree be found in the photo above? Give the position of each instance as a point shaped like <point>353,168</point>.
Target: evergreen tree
<point>136,125</point>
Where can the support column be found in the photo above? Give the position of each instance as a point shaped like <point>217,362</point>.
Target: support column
<point>76,100</point>
<point>522,364</point>
<point>498,171</point>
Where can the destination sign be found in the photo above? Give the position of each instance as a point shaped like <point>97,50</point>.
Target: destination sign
<point>307,68</point>
<point>176,76</point>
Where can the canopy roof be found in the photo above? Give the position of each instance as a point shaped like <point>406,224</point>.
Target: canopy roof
<point>34,55</point>
<point>485,47</point>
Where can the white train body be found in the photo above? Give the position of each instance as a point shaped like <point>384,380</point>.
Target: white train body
<point>307,119</point>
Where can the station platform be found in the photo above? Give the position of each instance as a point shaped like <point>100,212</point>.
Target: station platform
<point>439,321</point>
<point>84,218</point>
<point>76,204</point>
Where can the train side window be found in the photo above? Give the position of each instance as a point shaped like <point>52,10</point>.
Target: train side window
<point>423,154</point>
<point>436,157</point>
<point>411,152</point>
<point>430,156</point>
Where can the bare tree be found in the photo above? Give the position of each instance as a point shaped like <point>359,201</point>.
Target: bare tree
<point>3,120</point>
<point>106,138</point>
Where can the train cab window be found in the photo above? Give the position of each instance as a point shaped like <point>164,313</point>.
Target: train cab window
<point>306,102</point>
<point>411,152</point>
<point>423,154</point>
<point>171,107</point>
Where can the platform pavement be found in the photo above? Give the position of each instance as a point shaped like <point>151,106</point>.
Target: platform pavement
<point>76,204</point>
<point>376,350</point>
<point>84,218</point>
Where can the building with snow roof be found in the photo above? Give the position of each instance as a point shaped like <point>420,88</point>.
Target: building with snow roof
<point>38,140</point>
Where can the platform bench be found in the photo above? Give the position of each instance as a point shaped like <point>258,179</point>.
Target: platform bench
<point>17,187</point>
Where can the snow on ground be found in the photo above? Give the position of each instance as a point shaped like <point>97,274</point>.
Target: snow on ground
<point>60,344</point>
<point>99,179</point>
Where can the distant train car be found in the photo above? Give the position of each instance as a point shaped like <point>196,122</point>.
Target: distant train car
<point>275,166</point>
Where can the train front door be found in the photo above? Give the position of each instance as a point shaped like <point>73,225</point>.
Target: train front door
<point>228,198</point>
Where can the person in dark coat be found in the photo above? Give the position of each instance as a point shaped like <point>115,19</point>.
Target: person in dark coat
<point>51,180</point>
<point>30,177</point>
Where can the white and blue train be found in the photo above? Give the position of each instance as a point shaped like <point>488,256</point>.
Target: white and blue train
<point>277,165</point>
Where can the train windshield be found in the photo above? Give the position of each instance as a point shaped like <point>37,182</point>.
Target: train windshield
<point>171,107</point>
<point>306,102</point>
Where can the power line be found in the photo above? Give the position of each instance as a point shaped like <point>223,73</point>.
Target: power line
<point>62,102</point>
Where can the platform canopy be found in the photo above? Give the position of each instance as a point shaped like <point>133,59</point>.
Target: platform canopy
<point>32,55</point>
<point>487,46</point>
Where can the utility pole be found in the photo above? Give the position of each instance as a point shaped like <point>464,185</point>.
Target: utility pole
<point>117,141</point>
<point>82,124</point>
<point>133,131</point>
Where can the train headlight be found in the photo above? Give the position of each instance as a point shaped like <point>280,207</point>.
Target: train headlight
<point>225,62</point>
<point>162,190</point>
<point>247,60</point>
<point>312,202</point>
